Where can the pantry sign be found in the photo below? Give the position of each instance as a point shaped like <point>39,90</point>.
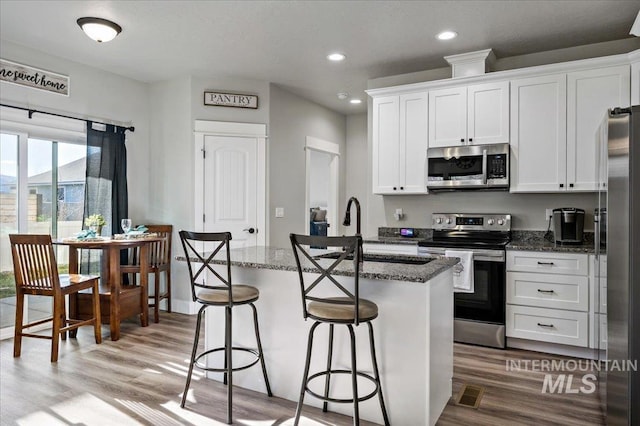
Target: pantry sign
<point>34,78</point>
<point>231,100</point>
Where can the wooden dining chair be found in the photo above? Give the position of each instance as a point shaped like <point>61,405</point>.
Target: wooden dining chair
<point>36,273</point>
<point>159,262</point>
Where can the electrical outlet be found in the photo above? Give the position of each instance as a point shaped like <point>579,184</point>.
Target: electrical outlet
<point>548,213</point>
<point>279,211</point>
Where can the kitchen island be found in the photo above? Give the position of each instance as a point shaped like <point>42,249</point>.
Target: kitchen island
<point>413,332</point>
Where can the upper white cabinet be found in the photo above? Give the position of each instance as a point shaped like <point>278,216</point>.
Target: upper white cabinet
<point>538,133</point>
<point>589,94</point>
<point>635,77</point>
<point>475,114</point>
<point>554,125</point>
<point>400,144</point>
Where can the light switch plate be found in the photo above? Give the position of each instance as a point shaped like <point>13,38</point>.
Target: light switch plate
<point>279,211</point>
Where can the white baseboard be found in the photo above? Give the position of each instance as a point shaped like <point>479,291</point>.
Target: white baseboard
<point>188,307</point>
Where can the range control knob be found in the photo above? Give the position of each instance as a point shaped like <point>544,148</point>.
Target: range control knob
<point>490,221</point>
<point>448,220</point>
<point>500,222</point>
<point>438,220</point>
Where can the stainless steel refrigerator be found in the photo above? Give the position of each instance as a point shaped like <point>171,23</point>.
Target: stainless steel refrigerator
<point>618,238</point>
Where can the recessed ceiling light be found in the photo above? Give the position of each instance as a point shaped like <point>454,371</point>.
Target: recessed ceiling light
<point>343,95</point>
<point>355,101</point>
<point>336,57</point>
<point>100,30</point>
<point>447,35</point>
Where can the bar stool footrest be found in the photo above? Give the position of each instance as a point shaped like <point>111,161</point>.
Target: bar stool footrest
<point>224,370</point>
<point>341,400</point>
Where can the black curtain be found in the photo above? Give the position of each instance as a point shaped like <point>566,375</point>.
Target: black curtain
<point>106,181</point>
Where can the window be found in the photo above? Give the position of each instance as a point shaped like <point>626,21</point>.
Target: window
<point>41,192</point>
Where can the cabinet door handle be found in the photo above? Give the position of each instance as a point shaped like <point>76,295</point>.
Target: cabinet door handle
<point>402,188</point>
<point>562,185</point>
<point>462,140</point>
<point>545,263</point>
<point>546,291</point>
<point>470,139</point>
<point>570,185</point>
<point>394,188</point>
<point>545,325</point>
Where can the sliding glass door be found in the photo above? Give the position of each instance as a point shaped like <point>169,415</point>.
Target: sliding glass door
<point>41,192</point>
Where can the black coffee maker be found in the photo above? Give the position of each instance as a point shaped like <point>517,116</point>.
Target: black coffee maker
<point>568,225</point>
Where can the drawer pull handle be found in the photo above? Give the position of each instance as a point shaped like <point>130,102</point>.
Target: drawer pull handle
<point>545,263</point>
<point>546,291</point>
<point>545,325</point>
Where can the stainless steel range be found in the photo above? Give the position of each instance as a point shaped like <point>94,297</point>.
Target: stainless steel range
<point>479,316</point>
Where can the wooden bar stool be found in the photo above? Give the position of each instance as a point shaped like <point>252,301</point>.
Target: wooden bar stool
<point>221,294</point>
<point>36,273</point>
<point>346,309</point>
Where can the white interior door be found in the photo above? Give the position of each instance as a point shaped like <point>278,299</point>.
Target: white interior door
<point>231,174</point>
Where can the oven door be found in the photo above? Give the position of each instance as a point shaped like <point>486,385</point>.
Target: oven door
<point>487,302</point>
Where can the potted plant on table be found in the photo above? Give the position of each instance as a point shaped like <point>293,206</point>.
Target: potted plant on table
<point>95,222</point>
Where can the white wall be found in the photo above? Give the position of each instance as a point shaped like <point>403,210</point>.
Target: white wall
<point>292,119</point>
<point>319,179</point>
<point>96,95</point>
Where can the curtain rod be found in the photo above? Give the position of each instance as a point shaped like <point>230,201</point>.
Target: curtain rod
<point>32,111</point>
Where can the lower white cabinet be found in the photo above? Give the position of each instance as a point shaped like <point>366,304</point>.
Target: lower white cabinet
<point>548,325</point>
<point>376,248</point>
<point>549,298</point>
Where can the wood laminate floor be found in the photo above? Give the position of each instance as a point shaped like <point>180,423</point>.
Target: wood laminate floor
<point>139,380</point>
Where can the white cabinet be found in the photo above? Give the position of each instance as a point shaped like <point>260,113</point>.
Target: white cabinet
<point>476,114</point>
<point>400,144</point>
<point>590,93</point>
<point>375,248</point>
<point>598,302</point>
<point>554,124</point>
<point>548,297</point>
<point>538,133</point>
<point>635,77</point>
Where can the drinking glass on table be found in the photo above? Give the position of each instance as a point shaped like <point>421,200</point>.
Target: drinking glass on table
<point>126,225</point>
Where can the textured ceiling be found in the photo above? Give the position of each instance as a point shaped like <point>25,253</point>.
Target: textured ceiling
<point>286,42</point>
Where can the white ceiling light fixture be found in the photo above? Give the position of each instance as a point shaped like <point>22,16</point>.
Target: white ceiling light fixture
<point>343,95</point>
<point>355,101</point>
<point>336,57</point>
<point>447,35</point>
<point>98,29</point>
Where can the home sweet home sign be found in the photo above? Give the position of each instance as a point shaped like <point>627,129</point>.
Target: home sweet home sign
<point>231,100</point>
<point>35,78</point>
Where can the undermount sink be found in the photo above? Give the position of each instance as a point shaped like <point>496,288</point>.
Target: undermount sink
<point>384,258</point>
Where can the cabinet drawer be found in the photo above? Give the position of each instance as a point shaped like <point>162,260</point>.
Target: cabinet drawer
<point>548,325</point>
<point>548,291</point>
<point>548,262</point>
<point>408,249</point>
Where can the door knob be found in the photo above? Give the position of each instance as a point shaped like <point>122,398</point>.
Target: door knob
<point>249,230</point>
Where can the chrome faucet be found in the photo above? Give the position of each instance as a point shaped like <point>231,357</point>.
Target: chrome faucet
<point>347,221</point>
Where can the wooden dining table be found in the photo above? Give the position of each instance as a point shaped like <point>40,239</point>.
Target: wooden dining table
<point>117,299</point>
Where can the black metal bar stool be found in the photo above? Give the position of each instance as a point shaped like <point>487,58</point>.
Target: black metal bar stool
<point>347,309</point>
<point>224,294</point>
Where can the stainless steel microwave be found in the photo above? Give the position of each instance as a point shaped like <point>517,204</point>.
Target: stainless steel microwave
<point>468,167</point>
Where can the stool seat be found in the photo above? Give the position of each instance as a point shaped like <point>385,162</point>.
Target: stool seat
<point>327,311</point>
<point>240,294</point>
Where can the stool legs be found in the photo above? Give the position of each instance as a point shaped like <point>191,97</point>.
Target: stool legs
<point>354,377</point>
<point>305,374</point>
<point>228,361</point>
<point>193,355</point>
<point>376,374</point>
<point>260,353</point>
<point>326,384</point>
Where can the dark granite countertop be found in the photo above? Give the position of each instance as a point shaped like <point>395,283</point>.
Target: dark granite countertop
<point>391,240</point>
<point>282,259</point>
<point>535,241</point>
